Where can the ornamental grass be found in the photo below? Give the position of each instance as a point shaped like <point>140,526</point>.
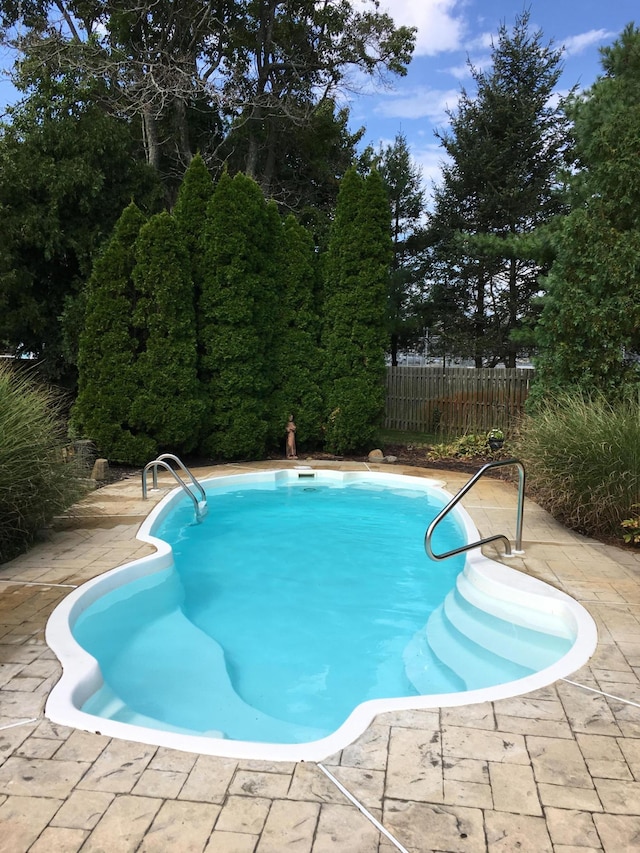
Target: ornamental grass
<point>36,482</point>
<point>582,456</point>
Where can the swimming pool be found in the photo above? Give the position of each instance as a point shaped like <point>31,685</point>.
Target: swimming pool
<point>219,632</point>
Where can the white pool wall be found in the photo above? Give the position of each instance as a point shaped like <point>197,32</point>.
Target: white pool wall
<point>513,595</point>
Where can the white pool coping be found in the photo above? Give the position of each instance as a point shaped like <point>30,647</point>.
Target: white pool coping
<point>508,587</point>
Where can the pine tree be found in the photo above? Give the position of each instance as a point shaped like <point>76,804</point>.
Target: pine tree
<point>355,330</point>
<point>403,182</point>
<point>109,349</point>
<point>239,318</point>
<point>168,403</point>
<point>506,148</point>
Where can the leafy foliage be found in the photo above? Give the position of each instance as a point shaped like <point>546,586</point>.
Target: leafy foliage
<point>468,446</point>
<point>67,170</point>
<point>631,528</point>
<point>167,405</point>
<point>589,331</point>
<point>296,348</point>
<point>109,347</point>
<point>190,213</point>
<point>239,318</point>
<point>355,332</point>
<point>190,70</point>
<point>35,481</point>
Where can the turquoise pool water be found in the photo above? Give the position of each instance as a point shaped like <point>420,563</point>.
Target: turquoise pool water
<point>291,604</point>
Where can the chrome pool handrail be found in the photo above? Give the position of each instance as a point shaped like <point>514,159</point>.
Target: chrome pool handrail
<point>497,463</point>
<point>161,461</point>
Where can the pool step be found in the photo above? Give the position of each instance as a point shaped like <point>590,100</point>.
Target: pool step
<point>525,647</point>
<point>428,674</point>
<point>475,665</point>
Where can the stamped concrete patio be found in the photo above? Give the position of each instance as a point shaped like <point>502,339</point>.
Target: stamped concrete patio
<point>555,770</point>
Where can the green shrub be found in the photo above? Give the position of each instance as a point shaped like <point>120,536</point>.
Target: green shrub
<point>35,481</point>
<point>465,447</point>
<point>583,462</point>
<point>631,528</point>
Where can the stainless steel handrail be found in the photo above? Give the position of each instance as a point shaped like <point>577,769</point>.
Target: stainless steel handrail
<point>161,461</point>
<point>498,463</point>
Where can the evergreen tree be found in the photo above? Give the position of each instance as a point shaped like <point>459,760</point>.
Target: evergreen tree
<point>507,145</point>
<point>168,404</point>
<point>296,349</point>
<point>589,333</point>
<point>190,213</point>
<point>107,381</point>
<point>403,183</point>
<point>355,330</point>
<point>239,318</point>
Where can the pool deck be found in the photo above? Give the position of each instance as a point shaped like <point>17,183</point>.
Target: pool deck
<point>553,770</point>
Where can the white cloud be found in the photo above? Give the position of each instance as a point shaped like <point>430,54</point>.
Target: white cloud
<point>577,44</point>
<point>463,72</point>
<point>430,158</point>
<point>419,102</point>
<point>439,27</point>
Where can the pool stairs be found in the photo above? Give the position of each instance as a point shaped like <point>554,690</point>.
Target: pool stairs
<point>464,642</point>
<point>169,462</point>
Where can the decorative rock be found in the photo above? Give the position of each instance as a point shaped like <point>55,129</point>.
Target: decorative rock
<point>376,456</point>
<point>390,458</point>
<point>100,469</point>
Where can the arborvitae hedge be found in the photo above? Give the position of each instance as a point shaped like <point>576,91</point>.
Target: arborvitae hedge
<point>238,315</point>
<point>190,212</point>
<point>168,403</point>
<point>354,334</point>
<point>223,377</point>
<point>296,350</point>
<point>107,381</point>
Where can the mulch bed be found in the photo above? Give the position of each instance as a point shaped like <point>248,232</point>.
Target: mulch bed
<point>405,455</point>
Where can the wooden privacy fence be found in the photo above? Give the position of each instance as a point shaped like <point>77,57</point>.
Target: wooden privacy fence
<point>458,399</point>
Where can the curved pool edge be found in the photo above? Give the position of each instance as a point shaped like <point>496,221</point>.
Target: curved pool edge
<point>81,674</point>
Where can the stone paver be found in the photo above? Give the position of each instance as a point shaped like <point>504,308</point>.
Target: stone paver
<point>180,826</point>
<point>554,770</point>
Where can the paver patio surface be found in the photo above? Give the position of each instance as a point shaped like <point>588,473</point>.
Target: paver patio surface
<point>553,770</point>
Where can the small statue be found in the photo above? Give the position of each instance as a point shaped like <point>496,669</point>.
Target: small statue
<point>291,439</point>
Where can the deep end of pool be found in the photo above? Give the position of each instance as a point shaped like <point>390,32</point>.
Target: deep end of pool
<point>81,698</point>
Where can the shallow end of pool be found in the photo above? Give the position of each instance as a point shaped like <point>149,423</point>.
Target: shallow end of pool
<point>507,587</point>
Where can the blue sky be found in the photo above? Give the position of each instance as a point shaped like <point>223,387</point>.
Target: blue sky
<point>449,31</point>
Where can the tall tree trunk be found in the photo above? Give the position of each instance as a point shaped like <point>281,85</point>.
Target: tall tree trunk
<point>511,346</point>
<point>394,349</point>
<point>182,136</point>
<point>270,163</point>
<point>150,137</point>
<point>254,126</point>
<point>478,320</point>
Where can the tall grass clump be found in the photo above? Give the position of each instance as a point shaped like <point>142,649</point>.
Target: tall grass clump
<point>35,481</point>
<point>582,456</point>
